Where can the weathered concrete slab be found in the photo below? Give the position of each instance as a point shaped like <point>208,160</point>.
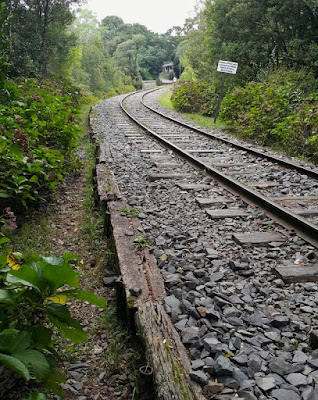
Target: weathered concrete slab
<point>132,136</point>
<point>168,355</point>
<point>298,273</point>
<point>202,151</point>
<point>192,186</point>
<point>297,199</point>
<point>264,185</point>
<point>159,158</point>
<point>167,165</point>
<point>104,153</point>
<point>156,177</point>
<point>176,137</point>
<point>258,237</point>
<point>150,151</point>
<point>229,165</point>
<point>107,189</point>
<point>203,202</point>
<point>309,212</point>
<point>226,213</point>
<point>213,160</point>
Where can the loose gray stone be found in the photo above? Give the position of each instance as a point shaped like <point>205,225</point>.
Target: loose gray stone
<point>172,301</point>
<point>240,359</point>
<point>210,343</point>
<point>223,366</point>
<point>283,394</point>
<point>197,364</point>
<point>274,336</point>
<point>212,314</point>
<point>313,363</point>
<point>213,388</point>
<point>309,393</point>
<point>266,383</point>
<point>190,335</point>
<point>255,362</point>
<point>246,395</point>
<point>283,367</point>
<point>109,280</point>
<point>300,357</point>
<point>280,321</point>
<point>199,377</point>
<point>297,379</point>
<point>256,320</point>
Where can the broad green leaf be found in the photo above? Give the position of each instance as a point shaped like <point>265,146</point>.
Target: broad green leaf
<point>4,240</point>
<point>16,365</point>
<point>53,260</point>
<point>6,296</point>
<point>36,396</point>
<point>27,276</point>
<point>34,179</point>
<point>15,342</point>
<point>19,179</point>
<point>57,273</point>
<point>86,296</point>
<point>41,337</point>
<point>76,335</point>
<point>36,359</point>
<point>16,150</point>
<point>70,256</point>
<point>5,195</point>
<point>60,316</point>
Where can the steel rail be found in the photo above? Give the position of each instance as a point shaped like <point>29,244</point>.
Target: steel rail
<point>312,173</point>
<point>305,229</point>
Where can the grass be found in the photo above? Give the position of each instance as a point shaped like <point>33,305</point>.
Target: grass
<point>199,119</point>
<point>35,235</point>
<point>165,101</point>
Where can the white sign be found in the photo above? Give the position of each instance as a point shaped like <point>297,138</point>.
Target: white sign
<point>228,67</point>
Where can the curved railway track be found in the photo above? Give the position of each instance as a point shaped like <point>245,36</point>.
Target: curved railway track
<point>238,182</point>
<point>232,280</point>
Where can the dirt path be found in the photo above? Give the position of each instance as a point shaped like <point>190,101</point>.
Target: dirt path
<point>103,367</point>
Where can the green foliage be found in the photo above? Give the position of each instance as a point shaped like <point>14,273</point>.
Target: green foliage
<point>119,90</point>
<point>193,97</point>
<point>279,34</point>
<point>141,243</point>
<point>38,135</point>
<point>279,112</point>
<point>33,309</point>
<point>39,41</point>
<point>130,212</point>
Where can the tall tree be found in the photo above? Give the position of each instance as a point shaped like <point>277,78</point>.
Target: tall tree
<point>263,33</point>
<point>38,33</point>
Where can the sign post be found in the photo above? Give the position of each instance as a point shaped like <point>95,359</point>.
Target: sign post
<point>226,67</point>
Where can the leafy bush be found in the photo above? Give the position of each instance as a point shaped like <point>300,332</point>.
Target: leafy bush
<point>33,312</point>
<point>279,112</point>
<point>38,135</point>
<point>194,97</point>
<point>119,90</point>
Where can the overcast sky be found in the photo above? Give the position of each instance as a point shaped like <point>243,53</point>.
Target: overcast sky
<point>157,15</point>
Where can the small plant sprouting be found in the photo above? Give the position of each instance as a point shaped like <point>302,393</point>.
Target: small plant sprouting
<point>271,225</point>
<point>130,212</point>
<point>202,173</point>
<point>152,163</point>
<point>141,243</point>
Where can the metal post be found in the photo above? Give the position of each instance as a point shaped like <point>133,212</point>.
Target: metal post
<point>217,110</point>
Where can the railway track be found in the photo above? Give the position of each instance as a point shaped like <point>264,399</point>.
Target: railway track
<point>238,280</point>
<point>273,183</point>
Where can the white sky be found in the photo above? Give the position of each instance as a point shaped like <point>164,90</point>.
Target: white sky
<point>157,15</point>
